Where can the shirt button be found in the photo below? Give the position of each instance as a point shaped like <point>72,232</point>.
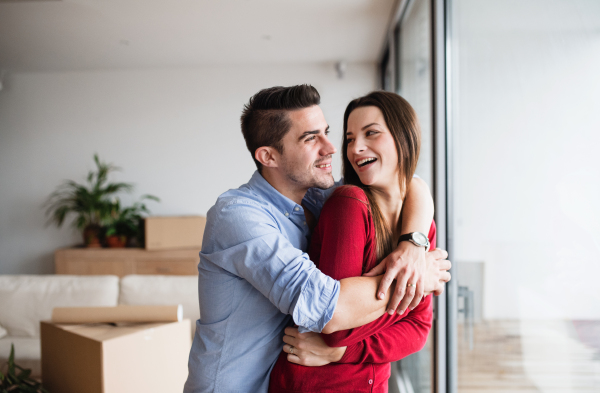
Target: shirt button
<point>287,214</point>
<point>304,222</point>
<point>370,382</point>
<point>296,208</point>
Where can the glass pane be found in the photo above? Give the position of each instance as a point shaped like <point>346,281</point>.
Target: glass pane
<point>413,53</point>
<point>415,84</point>
<point>525,123</point>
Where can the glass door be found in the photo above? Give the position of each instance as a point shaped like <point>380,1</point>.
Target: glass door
<point>524,181</point>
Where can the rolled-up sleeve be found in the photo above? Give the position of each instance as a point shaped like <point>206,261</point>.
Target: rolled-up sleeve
<point>316,305</point>
<point>251,245</point>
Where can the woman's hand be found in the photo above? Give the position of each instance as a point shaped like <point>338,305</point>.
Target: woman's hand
<point>309,349</point>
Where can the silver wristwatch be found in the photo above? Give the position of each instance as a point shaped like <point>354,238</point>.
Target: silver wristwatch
<point>416,238</point>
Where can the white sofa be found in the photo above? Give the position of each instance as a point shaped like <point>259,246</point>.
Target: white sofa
<point>25,300</point>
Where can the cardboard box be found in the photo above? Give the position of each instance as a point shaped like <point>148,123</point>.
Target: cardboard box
<point>174,232</point>
<point>103,358</point>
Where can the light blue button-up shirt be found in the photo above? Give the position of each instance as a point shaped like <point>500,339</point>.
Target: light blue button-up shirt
<point>254,276</point>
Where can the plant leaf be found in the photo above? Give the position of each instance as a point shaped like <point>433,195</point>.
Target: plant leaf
<point>11,360</point>
<point>24,374</point>
<point>151,197</point>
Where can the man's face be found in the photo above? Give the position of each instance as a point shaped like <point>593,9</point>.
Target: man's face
<point>306,158</point>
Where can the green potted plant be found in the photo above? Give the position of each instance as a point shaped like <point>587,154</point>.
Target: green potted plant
<point>124,223</point>
<point>20,382</point>
<point>90,203</point>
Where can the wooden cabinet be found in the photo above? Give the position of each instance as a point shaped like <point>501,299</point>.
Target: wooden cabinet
<point>124,261</point>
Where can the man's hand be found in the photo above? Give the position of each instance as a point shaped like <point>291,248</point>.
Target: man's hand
<point>437,274</point>
<point>309,349</point>
<point>410,264</point>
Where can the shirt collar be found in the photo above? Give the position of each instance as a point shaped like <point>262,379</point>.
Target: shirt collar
<point>270,193</point>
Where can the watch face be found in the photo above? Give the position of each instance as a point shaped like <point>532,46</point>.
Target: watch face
<point>420,238</point>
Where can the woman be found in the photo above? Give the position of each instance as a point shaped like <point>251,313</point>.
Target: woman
<point>360,225</point>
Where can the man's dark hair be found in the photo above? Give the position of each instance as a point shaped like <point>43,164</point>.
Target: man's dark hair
<point>265,120</point>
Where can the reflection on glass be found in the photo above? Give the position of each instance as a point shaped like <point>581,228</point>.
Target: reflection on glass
<point>526,180</point>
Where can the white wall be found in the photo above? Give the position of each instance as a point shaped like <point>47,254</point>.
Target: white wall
<point>174,132</point>
<point>526,126</point>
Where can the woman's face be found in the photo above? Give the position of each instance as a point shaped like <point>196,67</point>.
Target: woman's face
<point>371,149</point>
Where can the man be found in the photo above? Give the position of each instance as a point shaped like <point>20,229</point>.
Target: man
<point>253,274</point>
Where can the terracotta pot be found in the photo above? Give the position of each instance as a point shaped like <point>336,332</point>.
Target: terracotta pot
<point>116,241</point>
<point>91,236</point>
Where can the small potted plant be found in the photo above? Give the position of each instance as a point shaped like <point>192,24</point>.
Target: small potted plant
<point>18,382</point>
<point>124,223</point>
<point>91,203</point>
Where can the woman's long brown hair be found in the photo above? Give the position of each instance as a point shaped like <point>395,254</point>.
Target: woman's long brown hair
<point>403,124</point>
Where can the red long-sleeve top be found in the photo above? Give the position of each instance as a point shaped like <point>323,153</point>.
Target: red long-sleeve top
<point>342,240</point>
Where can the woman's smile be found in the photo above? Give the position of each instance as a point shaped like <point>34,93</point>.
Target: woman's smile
<point>365,161</point>
<point>364,164</point>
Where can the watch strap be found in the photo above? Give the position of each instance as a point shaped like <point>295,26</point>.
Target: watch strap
<point>409,237</point>
<point>405,237</point>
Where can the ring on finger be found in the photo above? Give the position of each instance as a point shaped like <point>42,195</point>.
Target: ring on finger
<point>291,350</point>
<point>411,285</point>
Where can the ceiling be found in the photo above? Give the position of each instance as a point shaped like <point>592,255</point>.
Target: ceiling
<point>42,36</point>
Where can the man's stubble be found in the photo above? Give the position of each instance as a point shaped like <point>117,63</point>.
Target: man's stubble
<point>306,178</point>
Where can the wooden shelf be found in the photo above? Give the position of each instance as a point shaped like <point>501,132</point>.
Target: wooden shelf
<point>124,261</point>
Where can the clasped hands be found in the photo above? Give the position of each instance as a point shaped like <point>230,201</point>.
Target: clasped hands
<point>427,272</point>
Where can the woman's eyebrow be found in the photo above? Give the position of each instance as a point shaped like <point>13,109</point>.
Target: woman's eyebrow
<point>369,125</point>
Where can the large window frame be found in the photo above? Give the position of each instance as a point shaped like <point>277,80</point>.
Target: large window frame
<point>445,311</point>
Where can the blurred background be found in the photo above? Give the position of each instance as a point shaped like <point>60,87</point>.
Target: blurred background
<point>507,92</point>
<point>157,88</point>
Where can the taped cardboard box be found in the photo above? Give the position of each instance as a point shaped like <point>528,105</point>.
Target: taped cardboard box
<point>103,358</point>
<point>162,233</point>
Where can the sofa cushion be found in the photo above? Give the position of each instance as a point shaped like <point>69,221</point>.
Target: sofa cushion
<point>25,347</point>
<point>25,300</point>
<point>162,290</point>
